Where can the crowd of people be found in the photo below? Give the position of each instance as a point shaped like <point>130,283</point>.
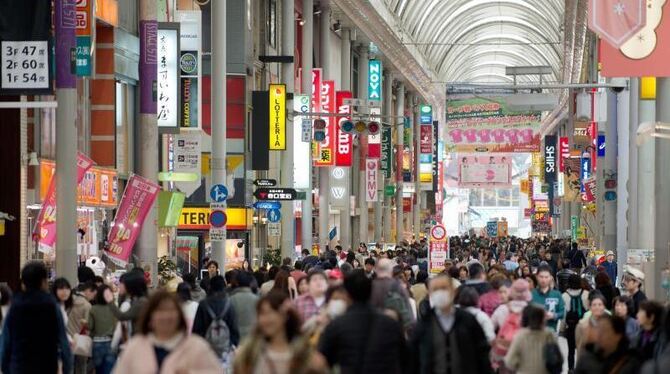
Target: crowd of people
<point>530,306</point>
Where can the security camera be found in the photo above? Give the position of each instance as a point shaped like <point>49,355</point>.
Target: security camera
<point>619,84</point>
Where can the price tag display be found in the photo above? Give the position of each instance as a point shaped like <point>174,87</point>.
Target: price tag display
<point>25,65</point>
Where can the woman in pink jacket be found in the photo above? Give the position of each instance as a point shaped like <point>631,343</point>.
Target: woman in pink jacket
<point>163,345</point>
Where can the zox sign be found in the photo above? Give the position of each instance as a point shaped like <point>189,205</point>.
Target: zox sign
<point>275,194</point>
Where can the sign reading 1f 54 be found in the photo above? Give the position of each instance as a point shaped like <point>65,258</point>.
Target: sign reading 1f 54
<point>375,80</point>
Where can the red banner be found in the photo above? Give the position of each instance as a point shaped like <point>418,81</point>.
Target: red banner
<point>344,149</point>
<point>563,152</point>
<point>135,204</point>
<point>325,155</point>
<point>45,229</point>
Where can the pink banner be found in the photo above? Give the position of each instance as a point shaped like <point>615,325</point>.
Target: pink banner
<point>485,171</point>
<point>45,229</point>
<point>344,149</point>
<point>137,199</point>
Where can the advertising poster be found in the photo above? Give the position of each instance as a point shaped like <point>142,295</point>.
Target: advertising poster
<point>344,148</point>
<point>492,229</point>
<point>135,204</point>
<point>571,180</point>
<point>488,125</point>
<point>480,171</point>
<point>45,229</point>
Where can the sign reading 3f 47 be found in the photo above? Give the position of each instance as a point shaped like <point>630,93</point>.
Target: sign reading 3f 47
<point>375,80</point>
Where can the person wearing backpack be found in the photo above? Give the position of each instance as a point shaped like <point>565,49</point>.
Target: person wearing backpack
<point>576,302</point>
<point>528,353</point>
<point>507,321</point>
<point>215,319</point>
<point>390,296</point>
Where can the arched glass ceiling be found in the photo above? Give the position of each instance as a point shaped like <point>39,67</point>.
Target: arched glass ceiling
<point>474,40</point>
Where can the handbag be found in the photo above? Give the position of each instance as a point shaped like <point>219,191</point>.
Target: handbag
<point>83,345</point>
<point>553,359</point>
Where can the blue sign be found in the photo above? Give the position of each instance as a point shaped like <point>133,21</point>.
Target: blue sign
<point>218,193</point>
<point>426,114</point>
<point>267,205</point>
<point>586,170</point>
<point>375,80</point>
<point>274,215</point>
<point>492,229</point>
<point>83,58</point>
<point>601,146</point>
<point>332,234</point>
<point>218,218</point>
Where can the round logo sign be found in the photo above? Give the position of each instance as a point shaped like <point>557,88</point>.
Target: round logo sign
<point>438,232</point>
<point>188,63</point>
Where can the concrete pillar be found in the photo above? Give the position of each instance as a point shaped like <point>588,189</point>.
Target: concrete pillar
<point>632,184</point>
<point>388,112</point>
<point>66,143</point>
<point>608,167</point>
<point>662,196</point>
<point>400,112</point>
<point>416,209</point>
<point>623,176</point>
<point>288,44</point>
<point>364,235</point>
<point>345,216</point>
<point>219,68</point>
<point>646,199</point>
<point>324,172</point>
<point>307,51</point>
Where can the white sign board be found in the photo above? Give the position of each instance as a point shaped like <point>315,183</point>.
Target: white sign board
<point>274,229</point>
<point>187,159</point>
<point>371,178</point>
<point>167,85</point>
<point>25,65</point>
<point>217,234</point>
<point>301,148</point>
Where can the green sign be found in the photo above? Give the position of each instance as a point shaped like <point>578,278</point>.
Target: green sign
<point>574,226</point>
<point>389,190</point>
<point>83,56</point>
<point>387,152</point>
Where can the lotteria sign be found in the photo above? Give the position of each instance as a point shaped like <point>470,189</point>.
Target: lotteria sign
<point>343,151</point>
<point>375,80</point>
<point>278,117</point>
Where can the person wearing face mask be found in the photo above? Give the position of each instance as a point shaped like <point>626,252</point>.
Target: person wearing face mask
<point>448,340</point>
<point>309,304</point>
<point>337,302</point>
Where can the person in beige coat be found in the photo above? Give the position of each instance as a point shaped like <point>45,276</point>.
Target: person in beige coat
<point>162,344</point>
<point>526,354</point>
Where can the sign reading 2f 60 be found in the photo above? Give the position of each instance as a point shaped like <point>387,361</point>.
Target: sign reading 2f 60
<point>375,80</point>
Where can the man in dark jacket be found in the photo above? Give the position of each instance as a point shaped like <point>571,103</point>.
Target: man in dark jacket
<point>34,336</point>
<point>363,340</point>
<point>216,303</point>
<point>576,257</point>
<point>448,340</point>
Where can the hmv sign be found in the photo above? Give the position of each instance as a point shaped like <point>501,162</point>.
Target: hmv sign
<point>550,159</point>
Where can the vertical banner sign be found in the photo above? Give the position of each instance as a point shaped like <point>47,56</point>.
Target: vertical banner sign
<point>277,117</point>
<point>83,59</point>
<point>344,149</point>
<point>45,229</point>
<point>550,159</point>
<point>326,149</point>
<point>586,170</point>
<point>601,146</point>
<point>301,149</point>
<point>189,64</point>
<point>260,150</point>
<point>426,114</point>
<point>148,66</point>
<point>436,152</point>
<point>387,152</point>
<point>563,152</point>
<point>375,80</point>
<point>136,202</point>
<point>574,226</point>
<point>168,86</point>
<point>426,141</point>
<point>371,170</point>
<point>593,133</point>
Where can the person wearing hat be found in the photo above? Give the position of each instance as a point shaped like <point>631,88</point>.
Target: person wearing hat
<point>632,281</point>
<point>610,266</point>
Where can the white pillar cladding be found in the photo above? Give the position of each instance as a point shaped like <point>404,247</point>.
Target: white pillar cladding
<point>324,172</point>
<point>388,112</point>
<point>662,184</point>
<point>400,140</point>
<point>287,214</point>
<point>307,52</point>
<point>608,168</point>
<point>345,78</point>
<point>416,211</point>
<point>362,93</point>
<point>633,153</point>
<point>646,199</point>
<point>219,68</point>
<point>623,175</point>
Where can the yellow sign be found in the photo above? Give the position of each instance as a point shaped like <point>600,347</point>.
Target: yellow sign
<point>502,229</point>
<point>525,186</point>
<point>197,218</point>
<point>277,117</point>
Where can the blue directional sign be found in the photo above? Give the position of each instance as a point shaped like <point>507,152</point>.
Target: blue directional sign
<point>218,193</point>
<point>267,205</point>
<point>274,215</point>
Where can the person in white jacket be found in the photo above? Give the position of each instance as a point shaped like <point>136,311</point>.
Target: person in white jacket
<point>468,299</point>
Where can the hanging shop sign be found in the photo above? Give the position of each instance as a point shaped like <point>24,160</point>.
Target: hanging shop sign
<point>260,150</point>
<point>601,145</point>
<point>371,178</point>
<point>488,125</point>
<point>325,150</point>
<point>198,218</point>
<point>168,75</point>
<point>563,152</point>
<point>25,66</point>
<point>277,117</point>
<point>436,157</point>
<point>338,187</point>
<point>83,31</point>
<point>492,229</point>
<point>426,141</point>
<point>190,55</point>
<point>302,141</point>
<point>386,159</point>
<point>550,159</point>
<point>590,189</point>
<point>375,80</point>
<point>45,229</point>
<point>276,194</point>
<point>585,170</point>
<point>265,182</point>
<point>344,149</point>
<point>617,21</point>
<point>426,114</point>
<point>480,171</point>
<point>187,159</point>
<point>98,187</point>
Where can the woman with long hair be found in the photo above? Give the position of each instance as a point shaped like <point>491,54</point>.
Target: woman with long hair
<point>135,287</point>
<point>276,345</point>
<point>62,291</point>
<point>162,344</point>
<point>101,324</point>
<point>283,283</point>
